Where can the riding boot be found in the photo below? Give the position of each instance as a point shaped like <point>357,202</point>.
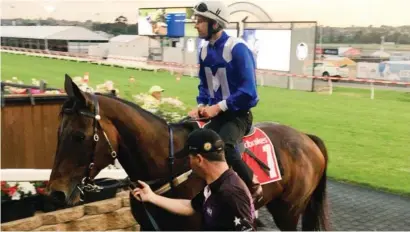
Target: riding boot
<point>256,189</point>
<point>234,159</point>
<point>250,179</point>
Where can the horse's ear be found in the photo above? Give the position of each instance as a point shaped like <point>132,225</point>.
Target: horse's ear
<point>72,89</point>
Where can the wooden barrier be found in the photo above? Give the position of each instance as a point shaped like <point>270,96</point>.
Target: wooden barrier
<point>29,130</point>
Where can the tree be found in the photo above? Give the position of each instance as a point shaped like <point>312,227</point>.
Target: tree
<point>121,19</point>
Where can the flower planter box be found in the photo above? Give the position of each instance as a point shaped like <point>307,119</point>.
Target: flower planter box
<point>17,209</point>
<point>27,206</point>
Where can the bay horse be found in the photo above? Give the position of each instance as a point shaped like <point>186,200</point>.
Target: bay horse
<point>96,129</point>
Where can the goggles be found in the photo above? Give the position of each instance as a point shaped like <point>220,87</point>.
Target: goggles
<point>202,7</point>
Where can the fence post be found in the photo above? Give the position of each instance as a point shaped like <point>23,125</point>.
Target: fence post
<point>30,94</point>
<point>43,86</point>
<point>330,86</point>
<point>290,82</point>
<point>371,90</point>
<point>3,101</point>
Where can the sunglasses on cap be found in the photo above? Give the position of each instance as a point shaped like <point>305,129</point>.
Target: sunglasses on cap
<point>202,7</point>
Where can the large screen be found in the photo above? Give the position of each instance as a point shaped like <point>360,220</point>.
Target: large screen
<point>164,21</point>
<point>271,48</point>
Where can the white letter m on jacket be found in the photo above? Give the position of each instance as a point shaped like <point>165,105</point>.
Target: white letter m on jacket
<point>219,80</point>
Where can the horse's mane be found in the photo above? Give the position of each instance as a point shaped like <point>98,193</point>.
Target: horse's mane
<point>134,106</point>
<point>181,125</point>
<point>145,113</point>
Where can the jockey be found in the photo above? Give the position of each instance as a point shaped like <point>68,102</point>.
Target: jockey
<point>227,88</point>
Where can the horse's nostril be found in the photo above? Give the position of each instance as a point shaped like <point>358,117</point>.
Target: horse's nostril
<point>58,197</point>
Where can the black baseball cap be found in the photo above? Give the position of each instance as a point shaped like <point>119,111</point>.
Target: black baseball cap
<point>203,141</point>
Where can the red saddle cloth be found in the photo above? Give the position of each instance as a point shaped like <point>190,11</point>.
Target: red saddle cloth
<point>261,146</point>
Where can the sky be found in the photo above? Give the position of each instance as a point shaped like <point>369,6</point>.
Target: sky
<point>325,12</point>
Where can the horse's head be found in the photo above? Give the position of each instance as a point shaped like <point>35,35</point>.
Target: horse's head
<point>87,143</point>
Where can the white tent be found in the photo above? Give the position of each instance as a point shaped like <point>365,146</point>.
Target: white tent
<point>131,46</point>
<point>51,33</point>
<point>59,38</point>
<point>126,47</point>
<point>381,54</point>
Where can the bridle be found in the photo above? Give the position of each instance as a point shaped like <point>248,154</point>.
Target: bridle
<point>87,183</point>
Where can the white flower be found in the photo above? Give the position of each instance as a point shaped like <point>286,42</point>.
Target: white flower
<point>170,109</point>
<point>106,87</point>
<point>85,88</point>
<point>109,85</point>
<point>27,187</point>
<point>35,82</point>
<point>78,80</point>
<point>52,92</point>
<point>16,196</point>
<point>173,101</point>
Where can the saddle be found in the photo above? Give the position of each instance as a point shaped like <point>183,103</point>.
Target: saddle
<point>244,145</point>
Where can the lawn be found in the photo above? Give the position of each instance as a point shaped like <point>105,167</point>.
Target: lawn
<point>368,140</point>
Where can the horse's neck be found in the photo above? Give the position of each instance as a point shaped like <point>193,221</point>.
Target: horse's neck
<point>144,143</point>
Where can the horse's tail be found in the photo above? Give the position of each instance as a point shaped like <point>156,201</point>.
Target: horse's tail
<point>315,216</point>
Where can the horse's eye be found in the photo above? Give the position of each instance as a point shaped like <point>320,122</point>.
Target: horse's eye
<point>78,136</point>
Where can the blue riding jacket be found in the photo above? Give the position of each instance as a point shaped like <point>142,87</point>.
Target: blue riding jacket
<point>227,75</point>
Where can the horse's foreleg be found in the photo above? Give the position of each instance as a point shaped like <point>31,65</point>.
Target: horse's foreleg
<point>284,219</point>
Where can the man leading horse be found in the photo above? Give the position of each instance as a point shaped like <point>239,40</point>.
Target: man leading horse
<point>227,88</point>
<point>145,145</point>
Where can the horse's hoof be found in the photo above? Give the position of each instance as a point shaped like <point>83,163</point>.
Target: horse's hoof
<point>259,223</point>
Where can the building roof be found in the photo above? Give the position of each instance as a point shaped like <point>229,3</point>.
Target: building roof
<point>51,32</point>
<point>124,38</point>
<point>380,54</point>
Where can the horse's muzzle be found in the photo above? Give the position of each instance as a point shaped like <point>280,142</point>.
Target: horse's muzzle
<point>58,198</point>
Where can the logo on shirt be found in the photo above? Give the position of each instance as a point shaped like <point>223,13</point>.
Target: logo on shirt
<point>209,211</point>
<point>242,224</point>
<point>237,221</point>
<point>207,192</point>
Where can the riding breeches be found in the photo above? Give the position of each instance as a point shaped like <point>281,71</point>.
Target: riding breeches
<point>232,126</point>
